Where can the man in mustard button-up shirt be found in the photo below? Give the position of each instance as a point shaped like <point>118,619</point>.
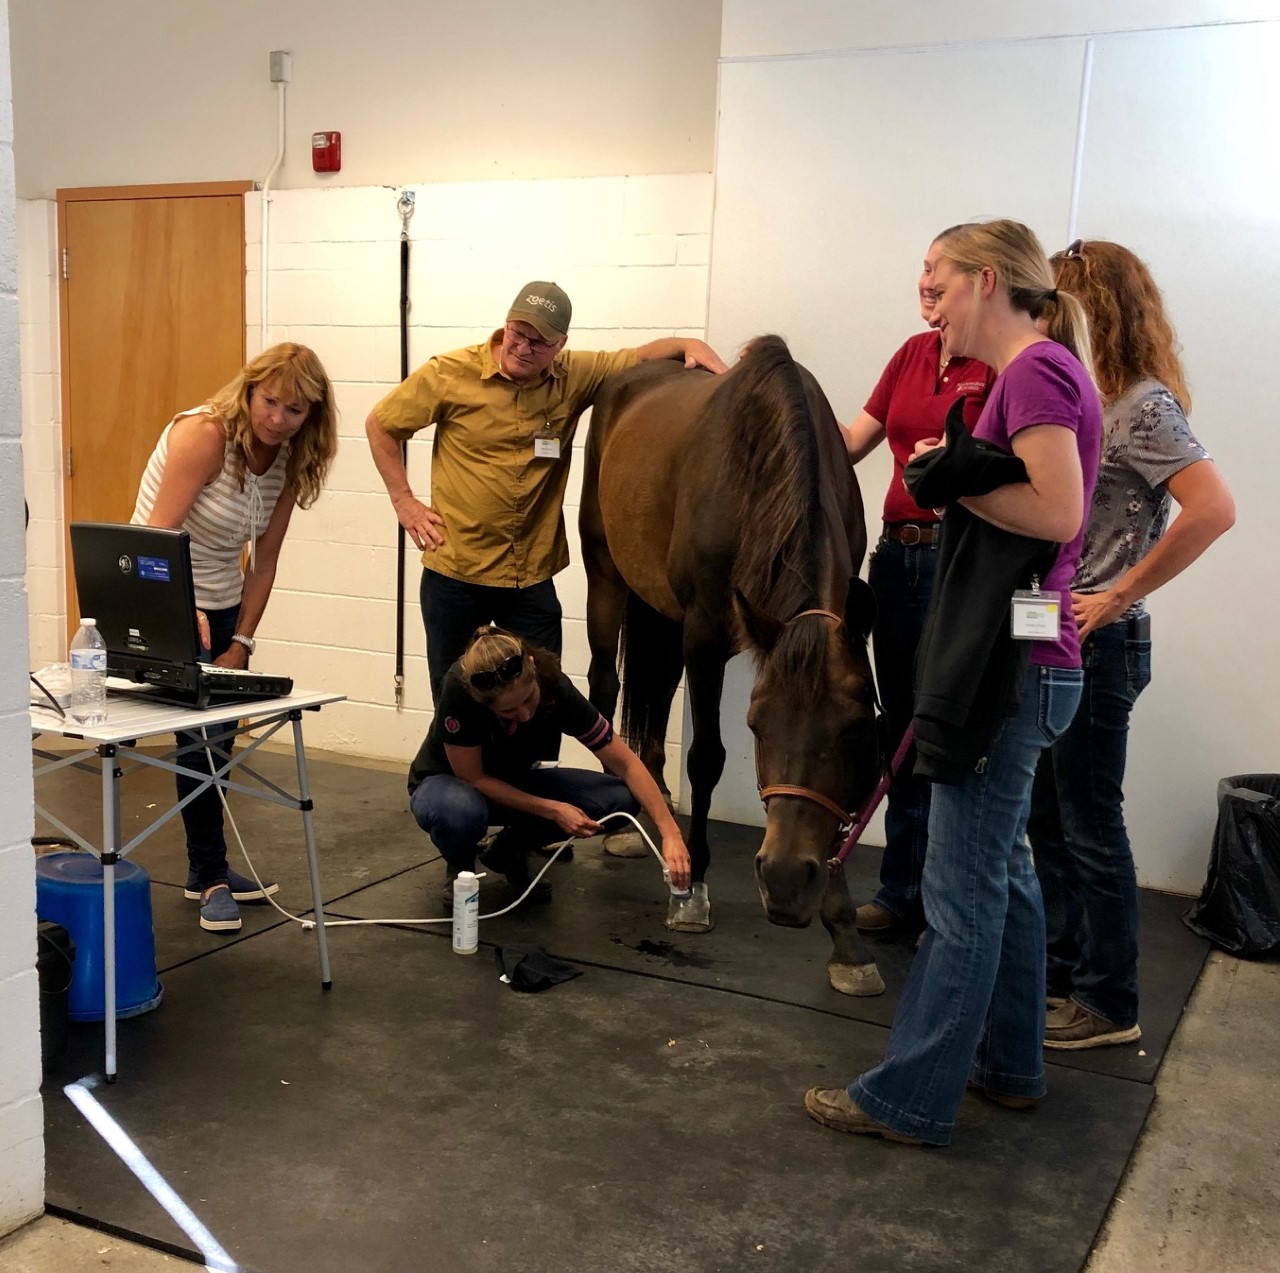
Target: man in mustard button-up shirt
<point>505,413</point>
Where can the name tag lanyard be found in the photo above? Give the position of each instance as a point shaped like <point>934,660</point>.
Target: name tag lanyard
<point>546,445</point>
<point>1035,615</point>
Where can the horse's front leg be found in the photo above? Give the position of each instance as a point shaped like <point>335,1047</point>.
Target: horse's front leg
<point>705,654</point>
<point>851,970</point>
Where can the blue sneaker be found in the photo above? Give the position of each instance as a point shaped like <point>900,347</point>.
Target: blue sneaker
<point>243,889</point>
<point>219,914</point>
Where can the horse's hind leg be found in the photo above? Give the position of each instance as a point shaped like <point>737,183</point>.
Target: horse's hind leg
<point>606,602</point>
<point>851,969</point>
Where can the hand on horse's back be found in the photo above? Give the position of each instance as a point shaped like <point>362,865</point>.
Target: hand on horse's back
<point>700,354</point>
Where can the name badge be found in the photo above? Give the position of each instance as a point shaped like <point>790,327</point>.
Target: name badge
<point>546,448</point>
<point>1036,615</point>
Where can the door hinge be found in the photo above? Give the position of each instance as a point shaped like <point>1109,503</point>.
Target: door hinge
<point>66,268</point>
<point>71,468</point>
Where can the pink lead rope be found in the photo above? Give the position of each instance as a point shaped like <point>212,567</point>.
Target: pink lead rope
<point>873,801</point>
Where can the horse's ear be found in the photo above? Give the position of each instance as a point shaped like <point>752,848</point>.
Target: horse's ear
<point>860,607</point>
<point>762,630</point>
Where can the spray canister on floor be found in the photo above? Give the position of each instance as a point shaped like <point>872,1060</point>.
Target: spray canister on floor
<point>466,913</point>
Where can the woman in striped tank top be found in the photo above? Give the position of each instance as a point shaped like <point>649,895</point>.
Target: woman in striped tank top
<point>230,473</point>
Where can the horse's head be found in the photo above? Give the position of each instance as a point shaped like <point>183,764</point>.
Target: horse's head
<point>817,755</point>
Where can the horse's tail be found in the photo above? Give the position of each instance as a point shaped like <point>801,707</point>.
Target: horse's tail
<point>652,660</point>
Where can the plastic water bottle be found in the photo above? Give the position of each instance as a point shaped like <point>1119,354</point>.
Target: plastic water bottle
<point>89,675</point>
<point>466,913</point>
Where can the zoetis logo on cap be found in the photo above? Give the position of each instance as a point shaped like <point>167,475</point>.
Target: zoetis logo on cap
<point>544,302</point>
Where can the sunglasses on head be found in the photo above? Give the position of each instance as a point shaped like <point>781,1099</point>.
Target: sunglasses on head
<point>506,672</point>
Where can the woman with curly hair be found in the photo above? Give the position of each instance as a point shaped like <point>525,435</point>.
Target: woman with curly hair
<point>230,473</point>
<point>1150,461</point>
<point>503,705</point>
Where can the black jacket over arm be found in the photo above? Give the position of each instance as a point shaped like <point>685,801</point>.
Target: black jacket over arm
<point>969,669</point>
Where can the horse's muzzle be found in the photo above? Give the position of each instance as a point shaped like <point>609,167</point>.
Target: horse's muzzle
<point>790,888</point>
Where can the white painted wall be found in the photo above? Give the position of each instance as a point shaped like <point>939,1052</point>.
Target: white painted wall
<point>149,90</point>
<point>21,1122</point>
<point>631,252</point>
<point>852,153</point>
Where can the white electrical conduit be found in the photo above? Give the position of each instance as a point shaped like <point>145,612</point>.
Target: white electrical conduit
<point>266,188</point>
<point>1082,120</point>
<point>309,924</point>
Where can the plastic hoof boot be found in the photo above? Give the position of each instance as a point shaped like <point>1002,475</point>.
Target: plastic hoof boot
<point>691,914</point>
<point>862,980</point>
<point>625,844</point>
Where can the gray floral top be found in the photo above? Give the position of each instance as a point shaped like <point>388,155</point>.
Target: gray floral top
<point>1145,441</point>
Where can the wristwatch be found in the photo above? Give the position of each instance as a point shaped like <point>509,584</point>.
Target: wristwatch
<point>247,641</point>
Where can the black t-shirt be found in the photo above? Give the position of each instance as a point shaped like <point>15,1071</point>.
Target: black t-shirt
<point>506,750</point>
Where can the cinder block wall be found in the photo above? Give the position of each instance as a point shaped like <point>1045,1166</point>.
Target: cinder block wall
<point>633,254</point>
<point>21,1120</point>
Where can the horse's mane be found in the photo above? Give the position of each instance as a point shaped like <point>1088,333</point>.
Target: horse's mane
<point>775,466</point>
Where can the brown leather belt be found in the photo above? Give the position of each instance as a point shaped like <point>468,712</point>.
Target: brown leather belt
<point>913,533</point>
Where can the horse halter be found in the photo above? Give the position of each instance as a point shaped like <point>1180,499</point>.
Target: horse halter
<point>845,819</point>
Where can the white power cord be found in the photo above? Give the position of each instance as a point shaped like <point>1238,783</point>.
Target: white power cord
<point>308,925</point>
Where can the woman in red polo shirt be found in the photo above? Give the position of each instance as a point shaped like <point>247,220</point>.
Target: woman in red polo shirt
<point>910,402</point>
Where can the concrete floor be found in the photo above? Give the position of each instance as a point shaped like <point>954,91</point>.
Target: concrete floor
<point>1201,1191</point>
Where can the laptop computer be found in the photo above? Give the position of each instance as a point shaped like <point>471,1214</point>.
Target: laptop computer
<point>136,582</point>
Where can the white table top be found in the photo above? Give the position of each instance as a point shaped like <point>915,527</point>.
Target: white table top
<point>130,717</point>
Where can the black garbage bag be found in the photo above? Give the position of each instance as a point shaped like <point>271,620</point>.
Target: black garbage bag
<point>1239,908</point>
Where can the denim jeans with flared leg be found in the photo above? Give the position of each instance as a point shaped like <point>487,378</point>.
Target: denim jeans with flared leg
<point>973,1005</point>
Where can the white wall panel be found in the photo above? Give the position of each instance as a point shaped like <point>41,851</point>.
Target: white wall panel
<point>1181,164</point>
<point>832,177</point>
<point>833,172</point>
<point>751,28</point>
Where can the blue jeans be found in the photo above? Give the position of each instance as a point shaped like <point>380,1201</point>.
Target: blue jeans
<point>453,609</point>
<point>973,1005</point>
<point>202,818</point>
<point>1078,836</point>
<point>901,576</point>
<point>455,815</point>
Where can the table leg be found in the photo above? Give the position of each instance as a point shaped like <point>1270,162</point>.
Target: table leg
<point>110,856</point>
<point>304,798</point>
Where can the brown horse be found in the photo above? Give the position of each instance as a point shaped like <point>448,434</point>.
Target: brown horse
<point>720,513</point>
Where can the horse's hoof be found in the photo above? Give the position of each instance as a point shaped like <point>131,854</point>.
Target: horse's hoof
<point>862,980</point>
<point>625,844</point>
<point>691,914</point>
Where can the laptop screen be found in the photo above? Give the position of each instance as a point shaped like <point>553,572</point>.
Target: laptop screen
<point>136,582</point>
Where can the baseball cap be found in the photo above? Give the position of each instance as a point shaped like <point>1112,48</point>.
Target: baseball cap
<point>543,306</point>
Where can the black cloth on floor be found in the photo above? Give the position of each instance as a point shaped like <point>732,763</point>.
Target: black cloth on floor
<point>969,669</point>
<point>530,968</point>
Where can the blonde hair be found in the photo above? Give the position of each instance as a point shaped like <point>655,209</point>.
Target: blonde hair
<point>1133,338</point>
<point>293,371</point>
<point>490,648</point>
<point>1014,253</point>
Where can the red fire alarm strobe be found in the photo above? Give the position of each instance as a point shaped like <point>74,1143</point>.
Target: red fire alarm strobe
<point>326,152</point>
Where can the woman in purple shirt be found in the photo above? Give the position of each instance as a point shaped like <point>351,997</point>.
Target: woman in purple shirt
<point>973,1008</point>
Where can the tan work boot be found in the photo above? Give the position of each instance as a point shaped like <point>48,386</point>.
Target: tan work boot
<point>834,1107</point>
<point>873,917</point>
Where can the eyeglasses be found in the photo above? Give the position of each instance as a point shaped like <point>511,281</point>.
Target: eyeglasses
<point>536,346</point>
<point>506,672</point>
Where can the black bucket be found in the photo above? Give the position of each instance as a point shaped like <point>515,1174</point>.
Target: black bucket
<point>55,964</point>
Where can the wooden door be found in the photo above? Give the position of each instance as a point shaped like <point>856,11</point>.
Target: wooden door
<point>152,320</point>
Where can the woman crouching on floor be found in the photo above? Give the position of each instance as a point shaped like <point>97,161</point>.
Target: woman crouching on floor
<point>502,708</point>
